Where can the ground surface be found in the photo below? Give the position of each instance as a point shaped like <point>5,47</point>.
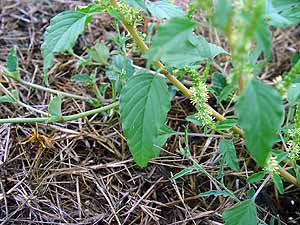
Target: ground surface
<point>85,174</point>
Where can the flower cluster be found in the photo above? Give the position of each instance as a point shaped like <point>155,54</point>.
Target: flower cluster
<point>283,84</point>
<point>272,165</point>
<point>293,136</point>
<point>130,14</point>
<point>199,98</point>
<point>294,144</point>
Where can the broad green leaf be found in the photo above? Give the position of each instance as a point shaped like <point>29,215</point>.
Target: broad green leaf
<point>218,83</point>
<point>119,71</point>
<point>260,111</point>
<point>193,119</point>
<point>293,93</point>
<point>222,13</point>
<point>227,124</point>
<point>280,155</point>
<point>120,68</point>
<point>54,108</point>
<point>215,193</point>
<point>171,43</point>
<point>10,99</point>
<point>225,93</point>
<point>256,177</point>
<point>12,60</point>
<point>273,16</point>
<point>99,53</point>
<point>243,213</point>
<point>144,103</point>
<point>263,38</point>
<point>278,183</point>
<point>228,152</point>
<point>163,134</point>
<point>82,78</point>
<point>183,172</point>
<point>139,4</point>
<point>164,10</point>
<point>90,8</point>
<point>177,46</point>
<point>288,9</point>
<point>206,50</point>
<point>295,58</point>
<point>61,34</point>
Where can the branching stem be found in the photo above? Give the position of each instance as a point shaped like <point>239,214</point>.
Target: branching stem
<point>19,102</point>
<point>6,73</point>
<point>60,119</point>
<point>185,91</point>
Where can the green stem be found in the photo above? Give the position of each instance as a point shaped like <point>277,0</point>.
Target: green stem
<point>201,169</point>
<point>6,73</point>
<point>60,119</point>
<point>49,90</point>
<point>20,103</point>
<point>97,92</point>
<point>185,91</point>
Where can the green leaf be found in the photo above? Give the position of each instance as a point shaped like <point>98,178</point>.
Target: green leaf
<point>243,213</point>
<point>256,177</point>
<point>163,134</point>
<point>295,58</point>
<point>227,124</point>
<point>164,10</point>
<point>90,8</point>
<point>12,60</point>
<point>278,183</point>
<point>222,13</point>
<point>185,151</point>
<point>103,88</point>
<point>263,38</point>
<point>171,43</point>
<point>225,93</point>
<point>82,78</point>
<point>228,152</point>
<point>54,108</point>
<point>297,170</point>
<point>177,46</point>
<point>218,83</point>
<point>193,119</point>
<point>183,172</point>
<point>288,9</point>
<point>293,93</point>
<point>99,53</point>
<point>114,13</point>
<point>120,70</point>
<point>144,103</point>
<point>280,155</point>
<point>206,50</point>
<point>61,34</point>
<point>273,16</point>
<point>139,4</point>
<point>215,193</point>
<point>260,111</point>
<point>10,99</point>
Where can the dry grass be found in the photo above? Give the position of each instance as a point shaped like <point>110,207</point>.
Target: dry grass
<point>84,173</point>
